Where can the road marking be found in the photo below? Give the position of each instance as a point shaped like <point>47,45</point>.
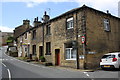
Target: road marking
<point>4,65</point>
<point>9,74</point>
<point>86,74</point>
<point>24,62</point>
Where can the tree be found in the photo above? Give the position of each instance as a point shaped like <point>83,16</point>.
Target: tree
<point>10,39</point>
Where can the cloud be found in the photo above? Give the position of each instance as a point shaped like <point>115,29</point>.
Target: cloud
<point>103,5</point>
<point>6,29</point>
<point>111,5</point>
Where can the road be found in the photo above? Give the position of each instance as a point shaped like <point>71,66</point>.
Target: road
<point>13,68</point>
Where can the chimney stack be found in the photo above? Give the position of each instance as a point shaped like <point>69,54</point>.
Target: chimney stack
<point>46,17</point>
<point>26,22</point>
<point>36,22</point>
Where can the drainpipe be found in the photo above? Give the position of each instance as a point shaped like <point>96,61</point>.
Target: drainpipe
<point>43,39</point>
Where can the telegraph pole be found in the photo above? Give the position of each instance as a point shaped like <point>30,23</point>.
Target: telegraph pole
<point>84,38</point>
<point>77,52</point>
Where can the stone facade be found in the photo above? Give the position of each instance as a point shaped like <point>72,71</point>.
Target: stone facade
<point>60,38</point>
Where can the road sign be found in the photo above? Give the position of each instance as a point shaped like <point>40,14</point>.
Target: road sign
<point>83,39</point>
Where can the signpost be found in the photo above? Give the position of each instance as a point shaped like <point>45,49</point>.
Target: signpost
<point>83,39</point>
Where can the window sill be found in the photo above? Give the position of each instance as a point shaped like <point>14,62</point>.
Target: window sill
<point>69,28</point>
<point>71,59</point>
<point>48,34</point>
<point>48,54</point>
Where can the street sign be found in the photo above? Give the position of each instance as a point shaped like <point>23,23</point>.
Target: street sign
<point>91,52</point>
<point>83,39</point>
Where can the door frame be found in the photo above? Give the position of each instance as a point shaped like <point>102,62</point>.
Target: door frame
<point>57,57</point>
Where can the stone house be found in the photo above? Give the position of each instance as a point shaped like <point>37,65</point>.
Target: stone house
<point>100,30</point>
<point>77,38</point>
<point>22,28</point>
<point>22,38</point>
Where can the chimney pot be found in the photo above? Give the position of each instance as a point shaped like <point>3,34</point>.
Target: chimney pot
<point>37,18</point>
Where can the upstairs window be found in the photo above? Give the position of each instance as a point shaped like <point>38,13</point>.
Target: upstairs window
<point>25,35</point>
<point>34,34</point>
<point>48,31</point>
<point>70,23</point>
<point>106,25</point>
<point>48,48</point>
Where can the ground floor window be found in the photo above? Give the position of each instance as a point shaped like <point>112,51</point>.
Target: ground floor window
<point>70,54</point>
<point>34,49</point>
<point>48,48</point>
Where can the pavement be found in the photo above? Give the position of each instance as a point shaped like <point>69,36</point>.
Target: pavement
<point>61,67</point>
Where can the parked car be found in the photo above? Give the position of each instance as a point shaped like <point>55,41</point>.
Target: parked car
<point>110,61</point>
<point>12,51</point>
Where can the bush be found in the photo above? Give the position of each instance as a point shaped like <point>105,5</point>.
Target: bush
<point>42,58</point>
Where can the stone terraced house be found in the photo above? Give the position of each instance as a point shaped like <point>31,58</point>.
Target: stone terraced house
<point>77,38</point>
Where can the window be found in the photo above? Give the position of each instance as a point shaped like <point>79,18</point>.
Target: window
<point>108,56</point>
<point>21,39</point>
<point>48,48</point>
<point>25,35</point>
<point>106,25</point>
<point>34,49</point>
<point>70,23</point>
<point>118,55</point>
<point>70,54</point>
<point>34,34</point>
<point>25,49</point>
<point>48,30</point>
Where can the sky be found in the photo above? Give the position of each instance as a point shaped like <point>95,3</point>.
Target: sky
<point>13,12</point>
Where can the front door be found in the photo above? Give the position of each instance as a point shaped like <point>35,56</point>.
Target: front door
<point>57,57</point>
<point>41,50</point>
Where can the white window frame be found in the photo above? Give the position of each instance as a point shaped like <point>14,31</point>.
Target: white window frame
<point>70,54</point>
<point>106,25</point>
<point>70,20</point>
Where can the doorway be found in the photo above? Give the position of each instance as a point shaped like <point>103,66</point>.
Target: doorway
<point>57,57</point>
<point>41,50</point>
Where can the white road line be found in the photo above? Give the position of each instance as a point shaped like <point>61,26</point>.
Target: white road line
<point>9,74</point>
<point>24,62</point>
<point>4,65</point>
<point>86,74</point>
